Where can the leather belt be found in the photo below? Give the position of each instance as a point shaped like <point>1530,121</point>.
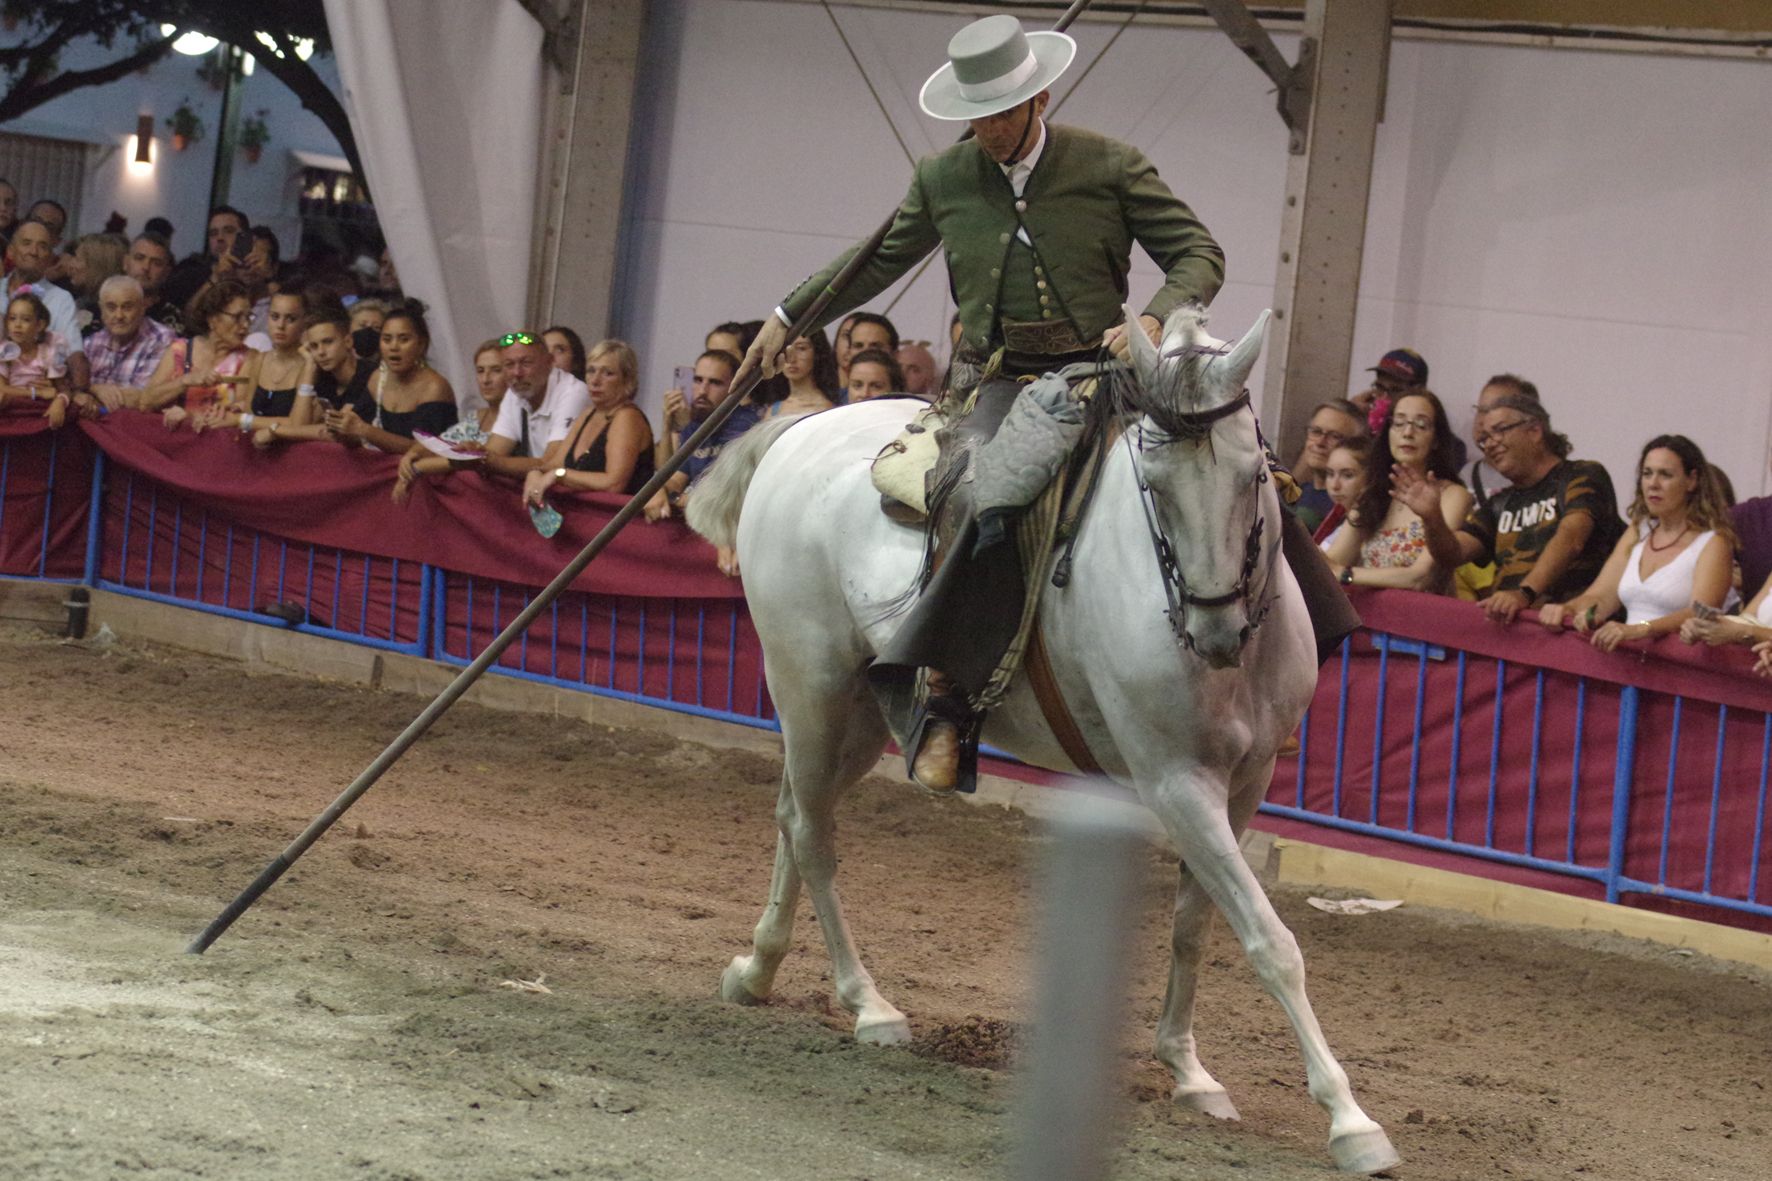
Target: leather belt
<point>1043,338</point>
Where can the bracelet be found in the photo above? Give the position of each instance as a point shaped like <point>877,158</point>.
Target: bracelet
<point>245,423</point>
<point>305,390</point>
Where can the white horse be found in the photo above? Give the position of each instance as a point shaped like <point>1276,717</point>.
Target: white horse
<point>1189,712</point>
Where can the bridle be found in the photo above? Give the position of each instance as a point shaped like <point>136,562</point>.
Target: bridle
<point>1197,428</point>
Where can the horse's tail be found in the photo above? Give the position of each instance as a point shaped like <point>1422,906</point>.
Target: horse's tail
<point>719,494</point>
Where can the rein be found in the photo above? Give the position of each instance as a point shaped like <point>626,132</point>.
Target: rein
<point>1197,428</point>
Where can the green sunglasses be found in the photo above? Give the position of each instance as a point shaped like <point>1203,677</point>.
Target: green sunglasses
<point>511,338</point>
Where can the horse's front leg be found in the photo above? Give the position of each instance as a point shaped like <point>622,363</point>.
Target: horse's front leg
<point>749,979</point>
<point>1195,1088</point>
<point>1192,806</point>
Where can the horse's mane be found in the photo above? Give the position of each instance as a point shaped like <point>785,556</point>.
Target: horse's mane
<point>1184,354</point>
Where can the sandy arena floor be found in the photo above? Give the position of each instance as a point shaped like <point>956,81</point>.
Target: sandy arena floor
<point>356,1023</point>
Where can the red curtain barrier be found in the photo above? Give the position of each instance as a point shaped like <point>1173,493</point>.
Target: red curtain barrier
<point>45,494</point>
<point>338,497</point>
<point>1507,738</point>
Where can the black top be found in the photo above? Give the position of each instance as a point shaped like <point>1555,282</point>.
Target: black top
<point>431,417</point>
<point>354,395</point>
<point>594,459</point>
<point>273,403</point>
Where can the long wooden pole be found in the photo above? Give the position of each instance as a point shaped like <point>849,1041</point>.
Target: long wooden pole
<point>487,658</point>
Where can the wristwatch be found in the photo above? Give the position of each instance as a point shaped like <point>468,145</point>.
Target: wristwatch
<point>559,473</point>
<point>1346,577</point>
<point>1531,595</point>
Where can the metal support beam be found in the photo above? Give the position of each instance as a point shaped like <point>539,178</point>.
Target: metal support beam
<point>579,212</point>
<point>1323,221</point>
<point>1292,81</point>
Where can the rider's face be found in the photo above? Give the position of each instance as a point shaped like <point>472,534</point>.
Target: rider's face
<point>1002,135</point>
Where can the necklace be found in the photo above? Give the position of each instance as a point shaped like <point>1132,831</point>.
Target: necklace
<point>1655,549</point>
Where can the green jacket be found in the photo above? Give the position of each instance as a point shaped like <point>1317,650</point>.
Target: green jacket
<point>1088,199</point>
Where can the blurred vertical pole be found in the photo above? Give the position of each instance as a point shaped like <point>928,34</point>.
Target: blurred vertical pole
<point>1070,1092</point>
<point>227,131</point>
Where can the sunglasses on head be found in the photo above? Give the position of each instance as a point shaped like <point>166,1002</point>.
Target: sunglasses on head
<point>511,338</point>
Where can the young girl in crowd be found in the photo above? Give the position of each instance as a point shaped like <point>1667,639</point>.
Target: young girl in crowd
<point>406,394</point>
<point>566,348</point>
<point>1385,545</point>
<point>1681,551</point>
<point>33,361</point>
<point>807,379</point>
<point>1344,478</point>
<point>874,374</point>
<point>609,447</point>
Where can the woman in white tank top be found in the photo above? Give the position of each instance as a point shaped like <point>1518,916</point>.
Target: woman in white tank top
<point>1680,552</point>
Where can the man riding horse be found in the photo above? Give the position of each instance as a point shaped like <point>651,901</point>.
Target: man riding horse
<point>1037,224</point>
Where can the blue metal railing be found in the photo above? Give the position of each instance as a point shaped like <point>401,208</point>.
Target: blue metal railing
<point>1618,786</point>
<point>1671,829</point>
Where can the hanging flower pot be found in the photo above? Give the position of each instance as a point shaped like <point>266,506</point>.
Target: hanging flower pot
<point>254,135</point>
<point>185,126</point>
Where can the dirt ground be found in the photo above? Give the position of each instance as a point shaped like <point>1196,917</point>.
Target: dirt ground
<point>357,1023</point>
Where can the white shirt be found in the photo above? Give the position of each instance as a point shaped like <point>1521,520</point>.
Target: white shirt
<point>61,311</point>
<point>564,400</point>
<point>1023,168</point>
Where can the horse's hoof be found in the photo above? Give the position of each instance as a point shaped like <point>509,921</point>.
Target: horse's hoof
<point>733,988</point>
<point>1216,1104</point>
<point>1363,1152</point>
<point>893,1030</point>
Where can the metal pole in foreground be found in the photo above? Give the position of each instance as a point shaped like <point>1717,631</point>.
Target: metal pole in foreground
<point>1065,1115</point>
<point>466,678</point>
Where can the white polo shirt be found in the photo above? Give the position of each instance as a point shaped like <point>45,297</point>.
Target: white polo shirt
<point>566,398</point>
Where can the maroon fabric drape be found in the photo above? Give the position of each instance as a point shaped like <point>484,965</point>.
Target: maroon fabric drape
<point>45,494</point>
<point>337,497</point>
<point>1423,748</point>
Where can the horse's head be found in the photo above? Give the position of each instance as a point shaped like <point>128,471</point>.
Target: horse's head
<point>1213,512</point>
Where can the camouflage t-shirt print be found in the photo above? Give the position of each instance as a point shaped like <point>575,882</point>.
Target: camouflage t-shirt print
<point>1517,523</point>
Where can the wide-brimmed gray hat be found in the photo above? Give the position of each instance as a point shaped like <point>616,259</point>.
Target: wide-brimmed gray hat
<point>992,66</point>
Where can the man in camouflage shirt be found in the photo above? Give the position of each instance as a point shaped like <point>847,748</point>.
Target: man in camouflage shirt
<point>1548,532</point>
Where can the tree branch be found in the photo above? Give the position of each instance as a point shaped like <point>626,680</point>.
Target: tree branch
<point>26,95</point>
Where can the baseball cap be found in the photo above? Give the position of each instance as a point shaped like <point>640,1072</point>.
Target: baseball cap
<point>1406,365</point>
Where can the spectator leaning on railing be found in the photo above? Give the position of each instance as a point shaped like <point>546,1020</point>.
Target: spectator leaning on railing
<point>196,372</point>
<point>33,360</point>
<point>1680,551</point>
<point>609,448</point>
<point>406,394</point>
<point>126,351</point>
<point>1385,543</point>
<point>1344,478</point>
<point>1549,531</point>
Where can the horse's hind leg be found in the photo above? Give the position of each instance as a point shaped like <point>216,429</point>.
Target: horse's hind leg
<point>1192,808</point>
<point>1195,1088</point>
<point>749,979</point>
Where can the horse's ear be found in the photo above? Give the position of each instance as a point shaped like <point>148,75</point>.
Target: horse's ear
<point>1143,353</point>
<point>1237,364</point>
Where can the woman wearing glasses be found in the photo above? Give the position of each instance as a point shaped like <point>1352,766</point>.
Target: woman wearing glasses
<point>1679,551</point>
<point>199,372</point>
<point>1385,544</point>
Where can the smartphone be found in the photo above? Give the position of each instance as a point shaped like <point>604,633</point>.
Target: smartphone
<point>683,378</point>
<point>242,244</point>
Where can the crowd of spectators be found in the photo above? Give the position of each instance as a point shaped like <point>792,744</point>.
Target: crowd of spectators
<point>234,337</point>
<point>1525,525</point>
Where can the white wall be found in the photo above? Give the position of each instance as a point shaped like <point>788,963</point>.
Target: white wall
<point>1597,222</point>
<point>177,187</point>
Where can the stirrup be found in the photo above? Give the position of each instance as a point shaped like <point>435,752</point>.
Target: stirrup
<point>949,708</point>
